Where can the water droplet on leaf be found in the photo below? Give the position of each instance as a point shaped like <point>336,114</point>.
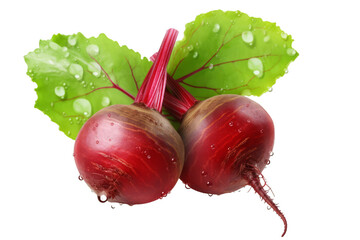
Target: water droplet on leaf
<point>54,46</point>
<point>256,65</point>
<point>92,49</point>
<point>216,28</point>
<point>95,69</point>
<point>195,55</point>
<point>82,106</point>
<point>105,101</point>
<point>267,38</point>
<point>72,40</point>
<point>76,70</point>
<point>60,91</point>
<point>291,51</point>
<point>211,66</point>
<point>247,37</point>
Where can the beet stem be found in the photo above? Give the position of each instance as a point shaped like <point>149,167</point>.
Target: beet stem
<point>152,90</point>
<point>254,181</point>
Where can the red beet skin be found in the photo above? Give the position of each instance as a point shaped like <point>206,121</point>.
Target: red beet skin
<point>225,136</point>
<point>129,153</point>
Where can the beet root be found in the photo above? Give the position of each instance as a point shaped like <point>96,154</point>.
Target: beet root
<point>129,153</point>
<point>228,140</point>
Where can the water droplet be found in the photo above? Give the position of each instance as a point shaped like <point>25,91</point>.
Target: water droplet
<point>95,69</point>
<point>286,71</point>
<point>211,66</point>
<point>64,49</point>
<point>261,130</point>
<point>187,186</point>
<point>163,194</point>
<point>59,91</point>
<point>268,208</point>
<point>97,142</point>
<point>112,124</point>
<point>72,40</point>
<point>256,65</point>
<point>247,37</point>
<point>190,47</point>
<point>112,207</point>
<point>210,195</point>
<point>248,121</point>
<point>54,46</point>
<point>267,38</point>
<point>80,178</point>
<point>92,49</point>
<point>239,130</point>
<point>229,148</point>
<point>216,28</point>
<point>148,156</point>
<point>195,55</point>
<point>271,153</point>
<point>173,160</point>
<point>290,51</point>
<point>109,114</point>
<point>203,173</point>
<point>105,101</point>
<point>212,146</point>
<point>268,162</point>
<point>270,89</point>
<point>76,70</point>
<point>284,35</point>
<point>209,184</point>
<point>231,124</point>
<point>82,106</point>
<point>102,198</point>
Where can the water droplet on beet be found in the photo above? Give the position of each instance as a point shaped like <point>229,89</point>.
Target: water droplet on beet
<point>109,114</point>
<point>187,186</point>
<point>271,153</point>
<point>148,156</point>
<point>97,142</point>
<point>212,146</point>
<point>102,198</point>
<point>209,184</point>
<point>112,124</point>
<point>268,162</point>
<point>82,106</point>
<point>59,91</point>
<point>72,40</point>
<point>261,130</point>
<point>256,66</point>
<point>247,37</point>
<point>163,194</point>
<point>92,49</point>
<point>80,178</point>
<point>203,173</point>
<point>216,28</point>
<point>112,207</point>
<point>231,124</point>
<point>210,195</point>
<point>76,70</point>
<point>173,160</point>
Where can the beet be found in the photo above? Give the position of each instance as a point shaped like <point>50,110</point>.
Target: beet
<point>130,153</point>
<point>228,141</point>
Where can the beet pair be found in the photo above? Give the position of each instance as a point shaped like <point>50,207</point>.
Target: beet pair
<point>131,154</point>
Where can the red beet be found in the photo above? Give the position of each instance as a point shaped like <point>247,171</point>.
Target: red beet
<point>130,153</point>
<point>228,140</point>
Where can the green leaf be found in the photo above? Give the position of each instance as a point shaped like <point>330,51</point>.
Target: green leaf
<point>78,76</point>
<point>230,53</point>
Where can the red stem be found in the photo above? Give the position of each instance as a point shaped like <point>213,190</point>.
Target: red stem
<point>152,90</point>
<point>254,181</point>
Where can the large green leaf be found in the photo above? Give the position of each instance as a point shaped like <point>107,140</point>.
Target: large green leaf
<point>77,77</point>
<point>230,52</point>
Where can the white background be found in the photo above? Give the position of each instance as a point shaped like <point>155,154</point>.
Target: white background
<point>315,107</point>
